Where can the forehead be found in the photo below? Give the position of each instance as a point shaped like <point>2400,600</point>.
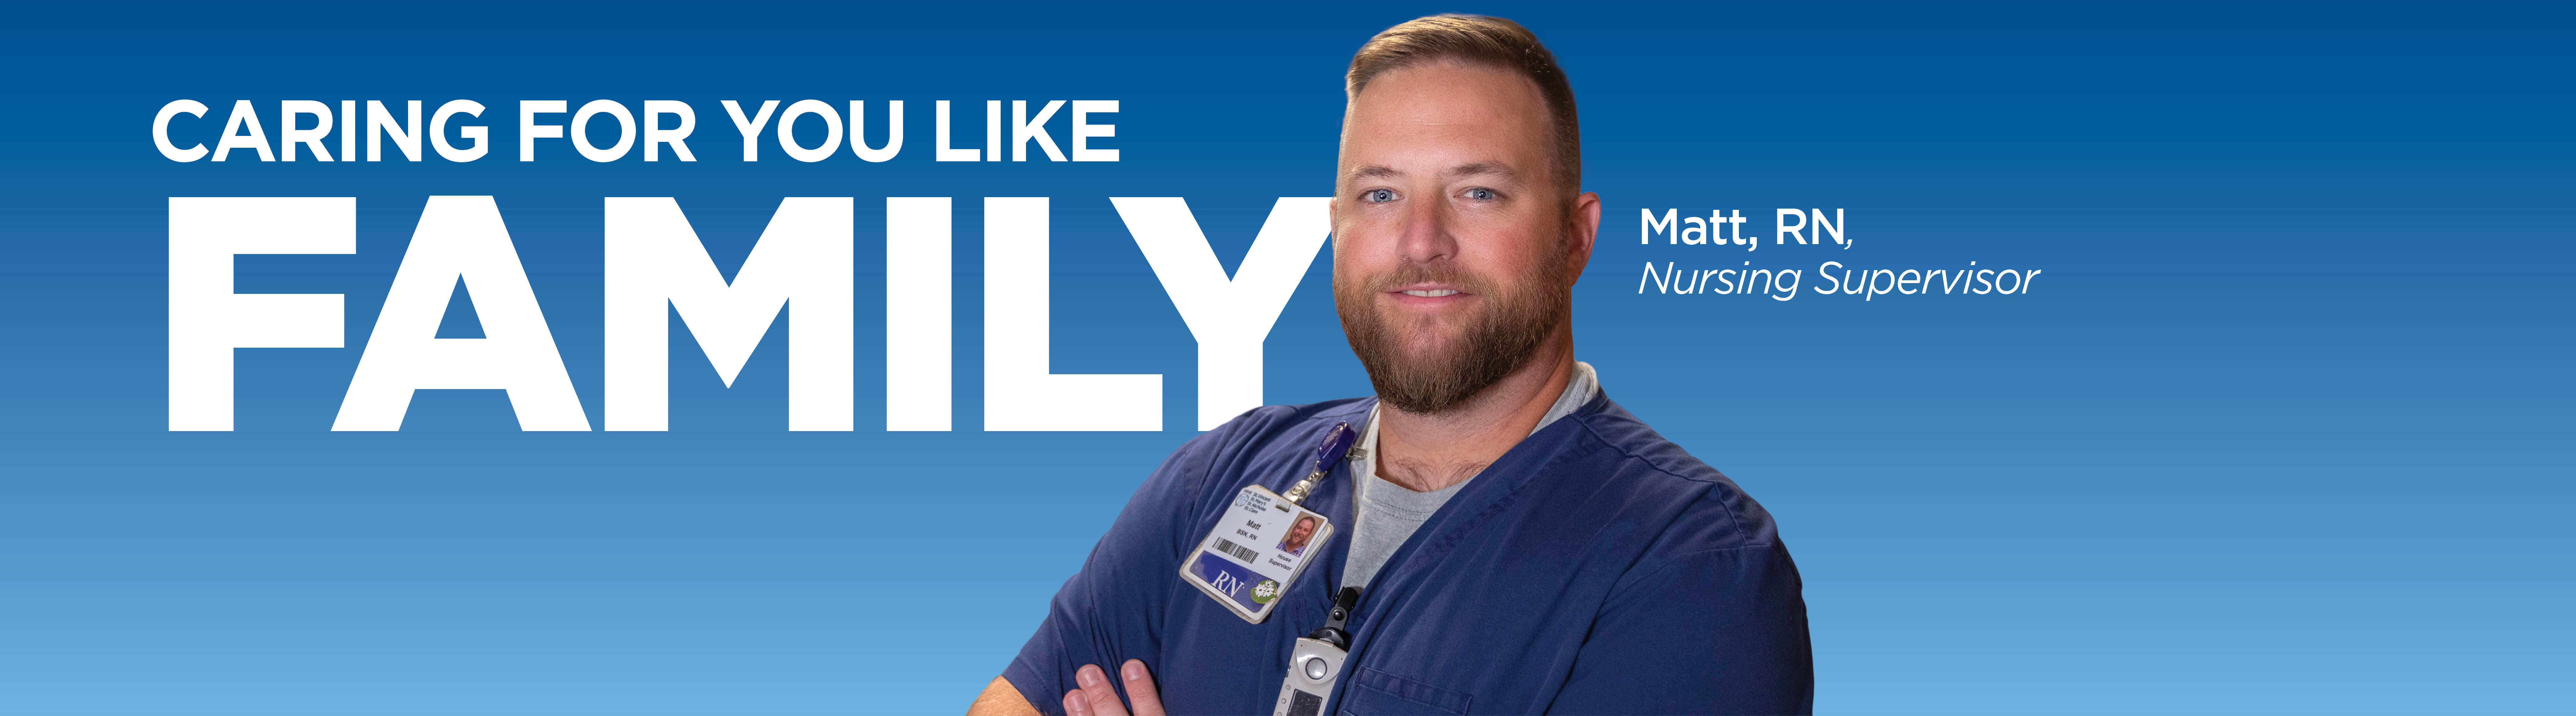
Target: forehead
<point>1446,113</point>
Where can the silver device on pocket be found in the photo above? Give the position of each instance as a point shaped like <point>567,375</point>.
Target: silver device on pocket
<point>1317,663</point>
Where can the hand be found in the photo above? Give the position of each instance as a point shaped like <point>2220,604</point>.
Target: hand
<point>1097,698</point>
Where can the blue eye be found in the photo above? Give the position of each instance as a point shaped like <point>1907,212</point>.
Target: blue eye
<point>1377,196</point>
<point>1480,194</point>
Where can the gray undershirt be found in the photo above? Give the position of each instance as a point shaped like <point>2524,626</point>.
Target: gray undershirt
<point>1387,513</point>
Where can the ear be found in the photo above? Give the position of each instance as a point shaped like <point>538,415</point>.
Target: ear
<point>1583,224</point>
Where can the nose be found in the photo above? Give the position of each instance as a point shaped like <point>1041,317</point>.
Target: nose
<point>1426,236</point>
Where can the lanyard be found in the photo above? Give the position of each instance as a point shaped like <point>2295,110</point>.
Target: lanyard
<point>1332,630</point>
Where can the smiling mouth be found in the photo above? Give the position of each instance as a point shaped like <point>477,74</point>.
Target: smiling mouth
<point>1435,293</point>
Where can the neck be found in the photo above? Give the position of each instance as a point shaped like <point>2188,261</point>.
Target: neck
<point>1429,452</point>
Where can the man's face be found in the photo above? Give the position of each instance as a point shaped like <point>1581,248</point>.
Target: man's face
<point>1453,250</point>
<point>1303,529</point>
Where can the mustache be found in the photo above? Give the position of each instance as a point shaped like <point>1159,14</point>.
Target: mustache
<point>1440,272</point>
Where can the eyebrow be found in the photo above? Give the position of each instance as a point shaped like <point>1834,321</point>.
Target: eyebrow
<point>1375,171</point>
<point>1380,171</point>
<point>1485,169</point>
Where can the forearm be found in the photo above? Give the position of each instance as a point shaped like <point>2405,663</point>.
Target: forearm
<point>1000,698</point>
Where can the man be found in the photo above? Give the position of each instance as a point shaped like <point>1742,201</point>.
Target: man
<point>1522,544</point>
<point>1295,544</point>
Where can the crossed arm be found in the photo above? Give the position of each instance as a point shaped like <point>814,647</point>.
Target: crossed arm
<point>1095,697</point>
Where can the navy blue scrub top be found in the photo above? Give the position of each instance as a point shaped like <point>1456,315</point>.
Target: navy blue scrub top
<point>1593,568</point>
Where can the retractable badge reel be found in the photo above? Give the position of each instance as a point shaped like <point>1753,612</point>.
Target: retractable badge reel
<point>1317,662</point>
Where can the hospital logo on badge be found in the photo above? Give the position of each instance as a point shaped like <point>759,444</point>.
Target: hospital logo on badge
<point>1265,591</point>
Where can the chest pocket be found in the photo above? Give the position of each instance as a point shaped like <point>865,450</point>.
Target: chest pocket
<point>1377,693</point>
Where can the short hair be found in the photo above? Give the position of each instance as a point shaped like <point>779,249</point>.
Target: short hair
<point>1484,41</point>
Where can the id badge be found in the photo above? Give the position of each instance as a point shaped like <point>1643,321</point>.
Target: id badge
<point>1258,548</point>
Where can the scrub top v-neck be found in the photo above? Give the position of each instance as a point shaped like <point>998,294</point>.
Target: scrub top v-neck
<point>1594,568</point>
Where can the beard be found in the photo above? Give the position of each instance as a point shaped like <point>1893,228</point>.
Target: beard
<point>1433,365</point>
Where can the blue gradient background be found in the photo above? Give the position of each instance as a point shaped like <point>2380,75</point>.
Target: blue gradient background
<point>2284,429</point>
